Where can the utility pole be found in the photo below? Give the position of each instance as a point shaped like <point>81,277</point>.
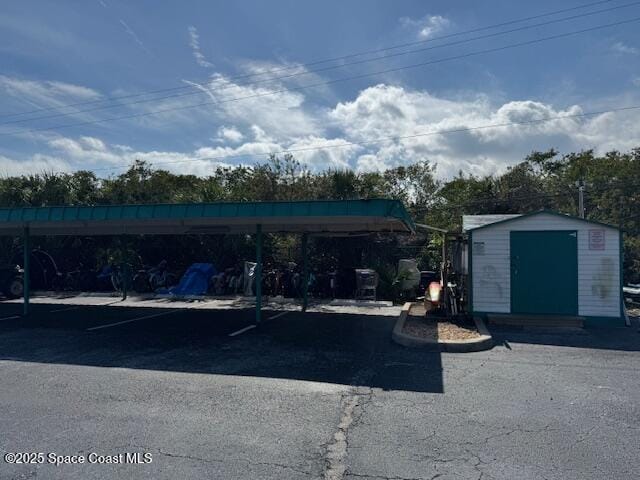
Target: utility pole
<point>580,184</point>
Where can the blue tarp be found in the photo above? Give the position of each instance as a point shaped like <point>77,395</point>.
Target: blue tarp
<point>195,281</point>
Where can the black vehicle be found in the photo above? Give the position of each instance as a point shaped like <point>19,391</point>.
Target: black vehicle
<point>11,281</point>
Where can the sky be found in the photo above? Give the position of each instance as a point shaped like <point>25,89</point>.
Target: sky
<point>192,85</point>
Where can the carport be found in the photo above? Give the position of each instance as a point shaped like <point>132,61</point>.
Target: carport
<point>327,218</point>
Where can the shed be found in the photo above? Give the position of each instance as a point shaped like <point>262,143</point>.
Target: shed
<point>545,264</point>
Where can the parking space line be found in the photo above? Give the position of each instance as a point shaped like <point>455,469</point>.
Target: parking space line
<point>12,317</point>
<point>277,315</point>
<point>242,330</point>
<point>145,317</point>
<point>77,307</point>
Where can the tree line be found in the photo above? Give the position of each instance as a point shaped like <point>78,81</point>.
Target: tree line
<point>543,180</point>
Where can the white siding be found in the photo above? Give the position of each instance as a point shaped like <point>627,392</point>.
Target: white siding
<point>598,270</point>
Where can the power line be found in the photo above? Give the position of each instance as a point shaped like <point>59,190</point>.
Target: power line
<point>394,138</point>
<point>310,72</point>
<point>318,62</point>
<point>330,82</point>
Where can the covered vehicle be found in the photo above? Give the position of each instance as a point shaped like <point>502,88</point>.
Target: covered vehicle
<point>195,280</point>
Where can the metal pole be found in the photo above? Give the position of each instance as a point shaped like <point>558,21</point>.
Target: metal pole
<point>26,275</point>
<point>305,273</point>
<point>258,273</point>
<point>581,198</point>
<point>445,275</point>
<point>124,272</point>
<point>123,268</point>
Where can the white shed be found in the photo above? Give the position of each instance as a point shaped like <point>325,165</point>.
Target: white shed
<point>545,263</point>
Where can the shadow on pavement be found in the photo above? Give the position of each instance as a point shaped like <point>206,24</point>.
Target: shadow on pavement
<point>623,339</point>
<point>333,348</point>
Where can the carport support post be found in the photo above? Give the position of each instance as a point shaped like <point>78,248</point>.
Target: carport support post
<point>26,267</point>
<point>258,273</point>
<point>305,273</point>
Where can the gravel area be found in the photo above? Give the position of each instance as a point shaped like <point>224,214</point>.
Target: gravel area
<point>438,330</point>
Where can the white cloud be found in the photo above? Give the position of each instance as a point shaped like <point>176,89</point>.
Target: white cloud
<point>320,154</point>
<point>279,112</point>
<point>387,111</point>
<point>427,26</point>
<point>46,92</point>
<point>194,43</point>
<point>624,49</point>
<point>248,130</point>
<point>230,134</point>
<point>68,154</point>
<point>636,81</point>
<point>260,135</point>
<point>35,164</point>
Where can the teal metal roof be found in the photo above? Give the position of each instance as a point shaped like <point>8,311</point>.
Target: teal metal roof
<point>333,216</point>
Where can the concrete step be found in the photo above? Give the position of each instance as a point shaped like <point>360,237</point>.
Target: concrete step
<point>537,320</point>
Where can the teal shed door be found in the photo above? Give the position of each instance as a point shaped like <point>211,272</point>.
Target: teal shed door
<point>544,272</point>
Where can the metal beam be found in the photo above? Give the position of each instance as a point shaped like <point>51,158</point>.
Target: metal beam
<point>422,226</point>
<point>26,278</point>
<point>305,273</point>
<point>258,273</point>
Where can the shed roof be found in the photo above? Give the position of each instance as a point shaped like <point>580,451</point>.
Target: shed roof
<point>469,222</point>
<point>331,216</point>
<point>541,212</point>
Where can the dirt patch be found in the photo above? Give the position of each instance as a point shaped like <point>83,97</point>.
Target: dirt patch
<point>438,330</point>
<point>419,325</point>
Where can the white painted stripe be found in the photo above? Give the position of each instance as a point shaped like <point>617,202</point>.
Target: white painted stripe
<point>10,318</point>
<point>76,307</point>
<point>279,315</point>
<point>154,315</point>
<point>242,330</point>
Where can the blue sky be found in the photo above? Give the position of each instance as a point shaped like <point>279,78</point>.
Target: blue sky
<point>60,53</point>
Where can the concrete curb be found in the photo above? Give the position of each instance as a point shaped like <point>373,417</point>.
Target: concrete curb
<point>484,342</point>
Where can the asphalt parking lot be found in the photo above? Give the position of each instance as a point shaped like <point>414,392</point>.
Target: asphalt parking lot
<point>315,395</point>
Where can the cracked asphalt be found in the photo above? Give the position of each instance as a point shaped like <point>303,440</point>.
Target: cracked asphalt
<point>311,396</point>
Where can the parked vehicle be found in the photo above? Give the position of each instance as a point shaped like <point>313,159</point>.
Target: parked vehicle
<point>121,276</point>
<point>426,277</point>
<point>228,282</point>
<point>631,292</point>
<point>43,270</point>
<point>149,279</point>
<point>11,281</point>
<point>79,279</point>
<point>104,281</point>
<point>433,299</point>
<point>320,285</point>
<point>195,281</point>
